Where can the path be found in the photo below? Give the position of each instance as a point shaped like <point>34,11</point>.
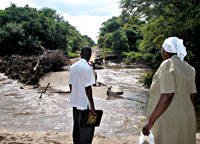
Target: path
<point>95,52</point>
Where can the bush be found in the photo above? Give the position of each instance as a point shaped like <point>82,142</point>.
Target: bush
<point>147,80</point>
<point>132,57</point>
<point>72,55</point>
<point>107,52</point>
<point>147,57</point>
<point>119,42</point>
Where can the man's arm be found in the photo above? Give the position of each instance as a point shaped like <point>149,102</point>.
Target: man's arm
<point>89,95</point>
<point>162,105</point>
<point>192,96</point>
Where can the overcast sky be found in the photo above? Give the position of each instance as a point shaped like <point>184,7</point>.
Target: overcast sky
<point>86,15</point>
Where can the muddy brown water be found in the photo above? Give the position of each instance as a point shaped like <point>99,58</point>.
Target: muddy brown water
<point>21,109</point>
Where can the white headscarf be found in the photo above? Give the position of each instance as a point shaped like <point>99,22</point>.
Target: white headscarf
<point>175,45</point>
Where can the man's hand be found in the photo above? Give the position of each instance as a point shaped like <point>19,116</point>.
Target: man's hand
<point>146,129</point>
<point>92,110</point>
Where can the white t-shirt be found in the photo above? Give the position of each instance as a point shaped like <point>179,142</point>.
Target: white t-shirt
<point>81,76</point>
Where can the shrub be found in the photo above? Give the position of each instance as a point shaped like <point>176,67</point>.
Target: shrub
<point>72,55</point>
<point>132,57</point>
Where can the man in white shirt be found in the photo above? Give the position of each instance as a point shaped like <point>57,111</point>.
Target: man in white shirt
<point>80,81</point>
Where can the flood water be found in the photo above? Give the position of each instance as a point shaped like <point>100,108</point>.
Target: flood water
<point>21,109</point>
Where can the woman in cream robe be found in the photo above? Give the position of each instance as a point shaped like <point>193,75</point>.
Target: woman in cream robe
<point>171,115</point>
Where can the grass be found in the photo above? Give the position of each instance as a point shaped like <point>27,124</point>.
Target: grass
<point>132,56</point>
<point>105,53</point>
<point>72,55</point>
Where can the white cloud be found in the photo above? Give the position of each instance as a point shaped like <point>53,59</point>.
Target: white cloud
<point>87,24</point>
<point>111,9</point>
<point>75,1</point>
<point>88,2</point>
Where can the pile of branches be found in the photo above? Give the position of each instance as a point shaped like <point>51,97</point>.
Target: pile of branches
<point>29,69</point>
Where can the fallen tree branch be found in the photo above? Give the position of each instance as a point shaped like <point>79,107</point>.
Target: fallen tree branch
<point>38,62</point>
<point>44,90</point>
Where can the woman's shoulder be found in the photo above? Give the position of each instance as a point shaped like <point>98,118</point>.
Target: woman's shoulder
<point>191,67</point>
<point>167,64</point>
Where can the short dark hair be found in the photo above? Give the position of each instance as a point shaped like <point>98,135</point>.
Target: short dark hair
<point>86,52</point>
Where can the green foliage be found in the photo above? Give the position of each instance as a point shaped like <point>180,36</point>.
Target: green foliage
<point>87,41</point>
<point>72,55</point>
<point>110,26</point>
<point>132,57</point>
<point>100,41</point>
<point>134,36</point>
<point>105,53</point>
<point>107,40</point>
<point>147,57</point>
<point>10,34</point>
<point>148,79</point>
<point>119,42</point>
<point>74,40</point>
<point>24,29</point>
<point>120,35</point>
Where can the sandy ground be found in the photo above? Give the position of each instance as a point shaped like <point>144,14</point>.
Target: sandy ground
<point>49,137</point>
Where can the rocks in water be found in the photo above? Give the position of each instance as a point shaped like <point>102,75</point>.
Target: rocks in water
<point>136,65</point>
<point>107,92</point>
<point>115,58</point>
<point>98,63</point>
<point>114,91</point>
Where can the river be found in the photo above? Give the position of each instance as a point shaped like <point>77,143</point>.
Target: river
<point>22,109</point>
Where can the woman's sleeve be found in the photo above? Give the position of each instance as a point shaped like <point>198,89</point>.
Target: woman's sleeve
<point>166,77</point>
<point>193,84</point>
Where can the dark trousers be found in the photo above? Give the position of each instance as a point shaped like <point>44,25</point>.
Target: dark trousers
<point>81,135</point>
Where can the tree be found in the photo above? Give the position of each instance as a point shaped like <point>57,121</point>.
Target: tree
<point>120,42</point>
<point>11,38</point>
<point>110,26</point>
<point>121,34</point>
<point>87,41</point>
<point>134,36</point>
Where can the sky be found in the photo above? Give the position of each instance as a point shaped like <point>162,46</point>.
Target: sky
<point>86,15</point>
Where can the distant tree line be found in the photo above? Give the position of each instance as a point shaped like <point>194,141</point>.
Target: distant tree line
<point>24,29</point>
